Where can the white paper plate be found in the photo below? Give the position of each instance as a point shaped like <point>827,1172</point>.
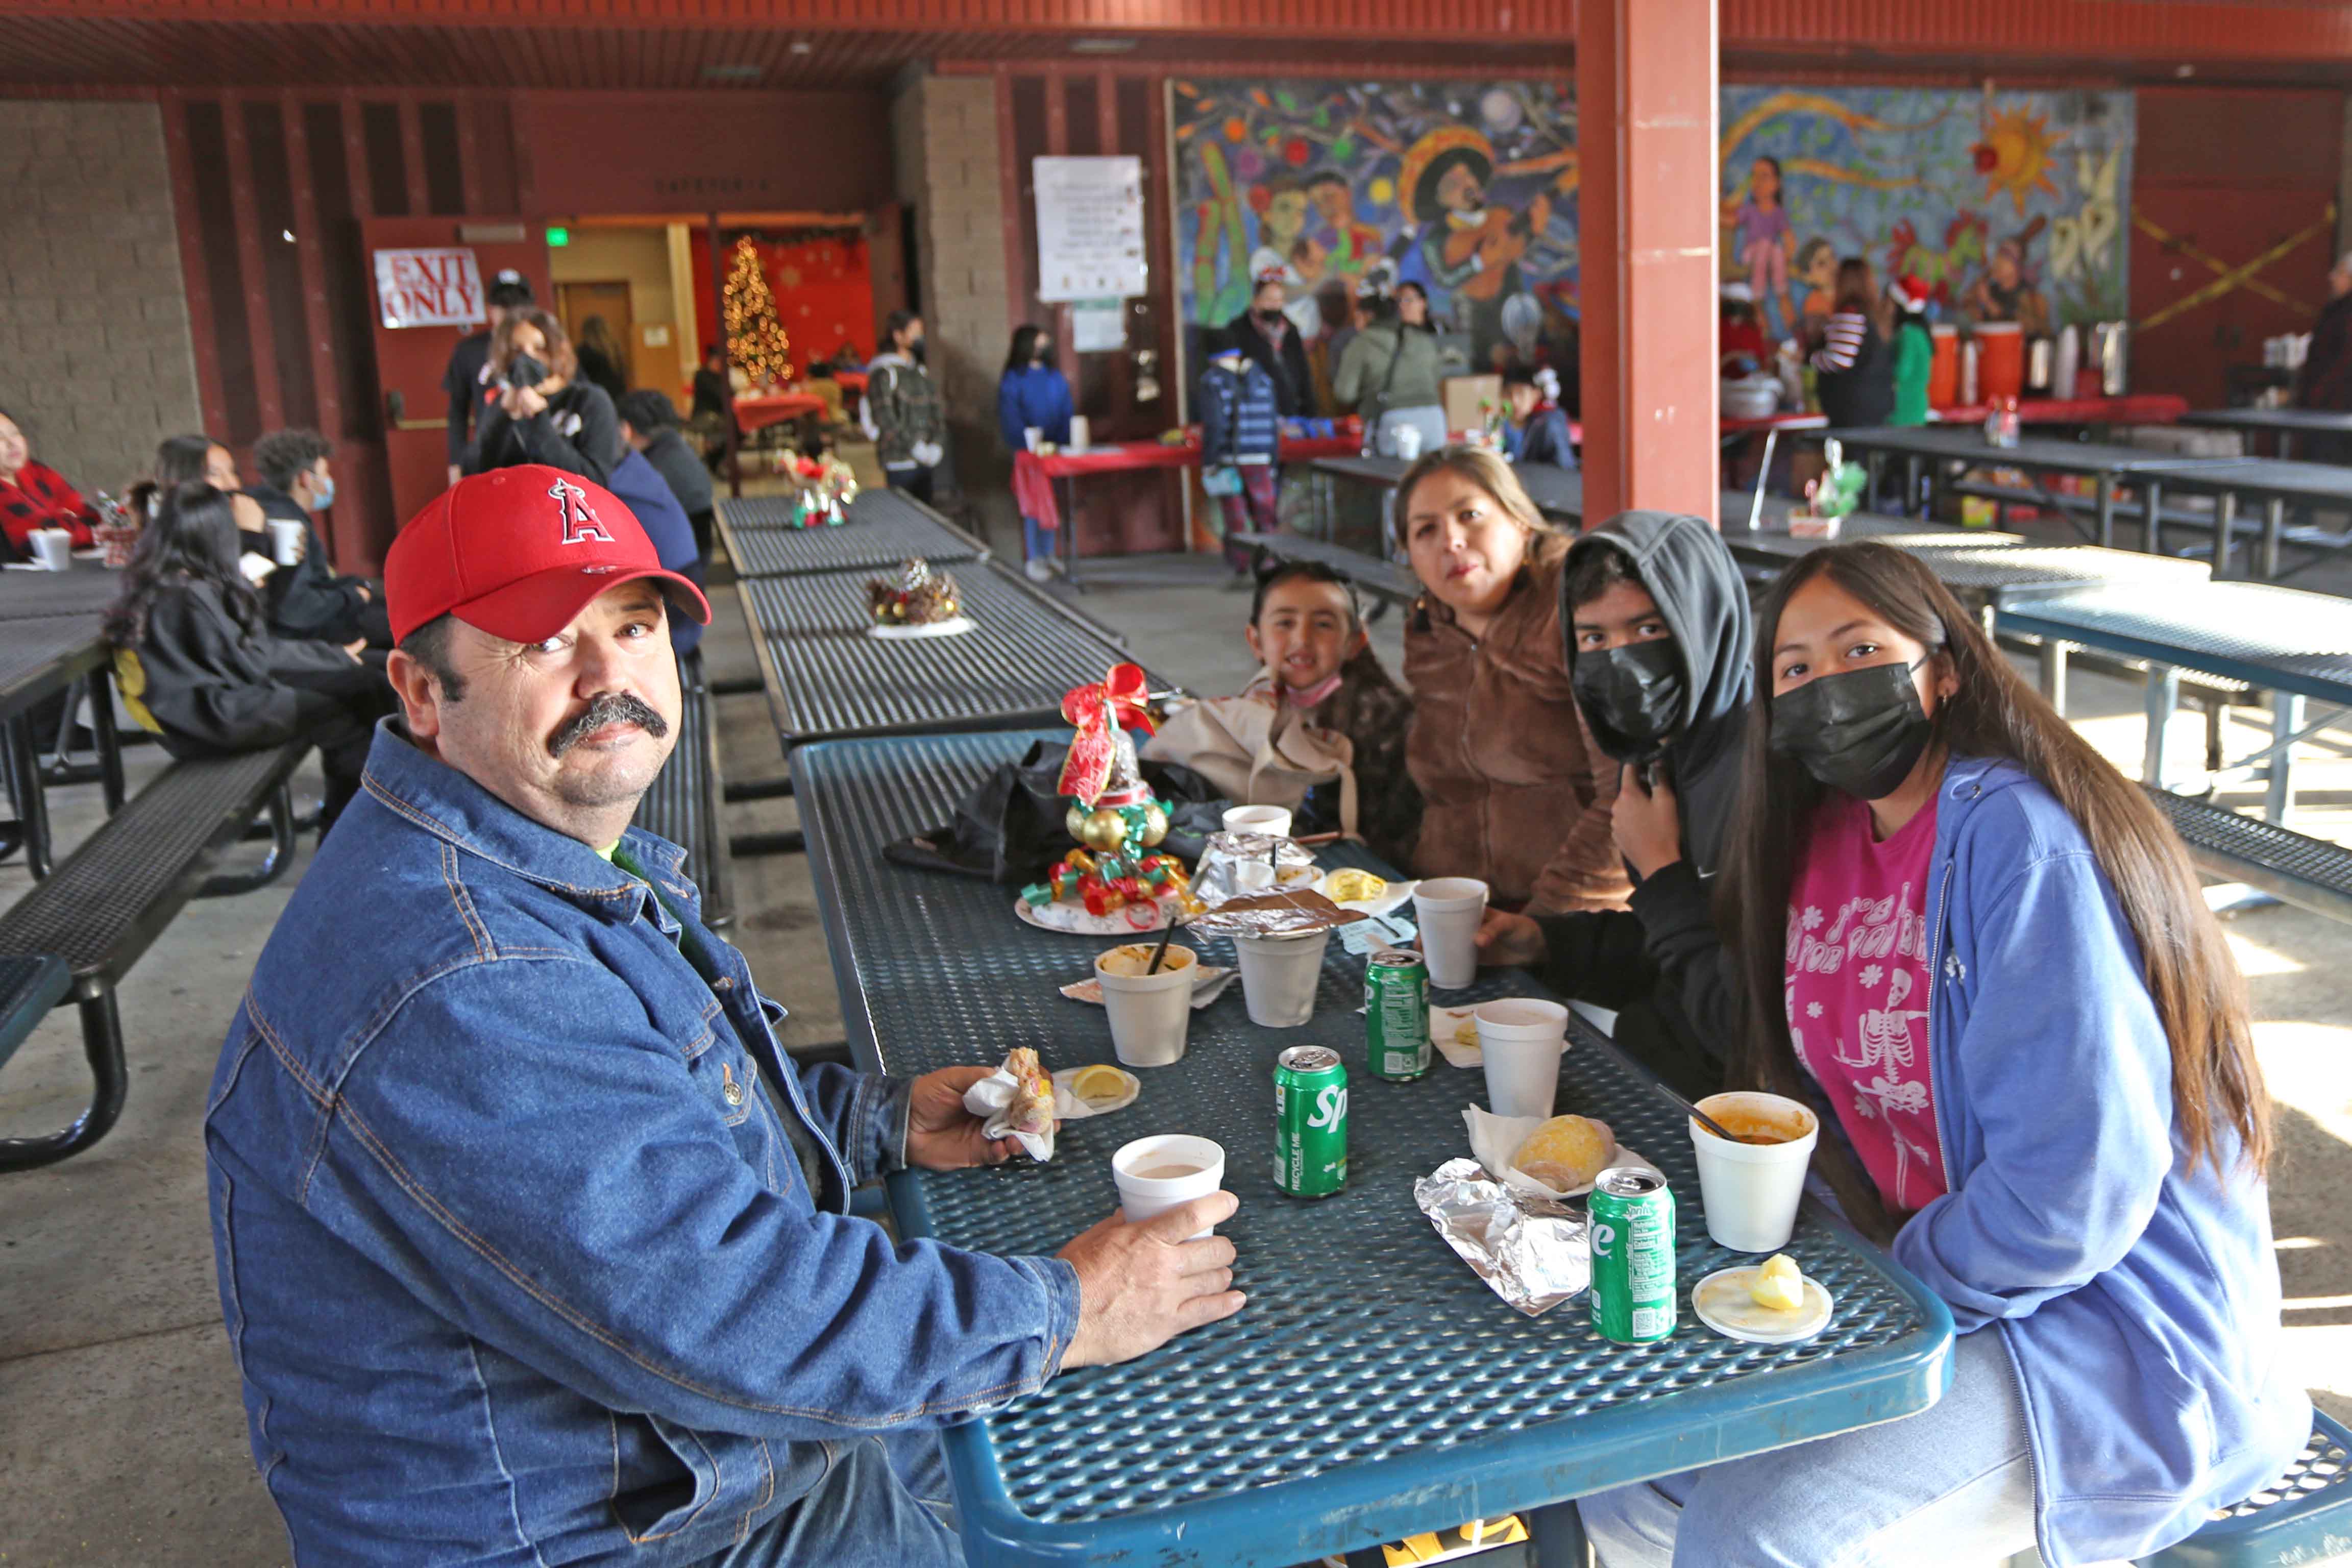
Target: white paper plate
<point>1070,1108</point>
<point>1495,1138</point>
<point>1442,1022</point>
<point>1393,898</point>
<point>1723,1304</point>
<point>947,629</point>
<point>1209,983</point>
<point>1072,920</point>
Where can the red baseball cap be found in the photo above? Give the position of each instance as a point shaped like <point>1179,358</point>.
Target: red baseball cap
<point>519,552</point>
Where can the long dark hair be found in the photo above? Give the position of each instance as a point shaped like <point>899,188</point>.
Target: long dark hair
<point>2199,995</point>
<point>178,460</point>
<point>193,539</point>
<point>1023,352</point>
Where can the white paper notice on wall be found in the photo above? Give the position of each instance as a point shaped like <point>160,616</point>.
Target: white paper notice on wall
<point>439,287</point>
<point>1089,228</point>
<point>1098,326</point>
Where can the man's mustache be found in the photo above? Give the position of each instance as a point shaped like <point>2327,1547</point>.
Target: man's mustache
<point>613,707</point>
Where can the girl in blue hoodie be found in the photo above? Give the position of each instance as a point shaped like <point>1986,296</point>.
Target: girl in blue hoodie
<point>1982,956</point>
<point>1033,394</point>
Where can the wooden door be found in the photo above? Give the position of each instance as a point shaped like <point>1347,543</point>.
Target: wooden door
<point>409,361</point>
<point>576,302</point>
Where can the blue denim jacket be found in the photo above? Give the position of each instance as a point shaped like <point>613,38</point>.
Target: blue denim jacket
<point>518,1260</point>
<point>2138,1298</point>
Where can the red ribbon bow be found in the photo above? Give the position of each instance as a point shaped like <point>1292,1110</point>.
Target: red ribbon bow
<point>1100,710</point>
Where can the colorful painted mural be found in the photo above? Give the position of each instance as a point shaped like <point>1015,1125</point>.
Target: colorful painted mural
<point>2008,205</point>
<point>1467,188</point>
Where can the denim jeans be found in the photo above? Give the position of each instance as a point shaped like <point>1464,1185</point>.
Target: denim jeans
<point>885,1504</point>
<point>1953,1484</point>
<point>1037,541</point>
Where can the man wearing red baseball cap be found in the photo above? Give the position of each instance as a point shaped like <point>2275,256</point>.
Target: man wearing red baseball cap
<point>533,1244</point>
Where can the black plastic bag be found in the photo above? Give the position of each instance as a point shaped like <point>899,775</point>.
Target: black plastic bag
<point>1010,829</point>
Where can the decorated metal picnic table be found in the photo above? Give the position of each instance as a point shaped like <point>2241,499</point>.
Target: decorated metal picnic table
<point>827,674</point>
<point>1373,1385</point>
<point>2277,484</point>
<point>2295,645</point>
<point>882,528</point>
<point>2284,424</point>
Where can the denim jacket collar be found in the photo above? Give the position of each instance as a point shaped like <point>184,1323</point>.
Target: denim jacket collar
<point>450,805</point>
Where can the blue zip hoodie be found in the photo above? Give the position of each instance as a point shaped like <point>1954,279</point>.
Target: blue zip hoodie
<point>2140,1301</point>
<point>1034,395</point>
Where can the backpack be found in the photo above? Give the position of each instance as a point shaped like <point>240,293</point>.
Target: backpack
<point>906,411</point>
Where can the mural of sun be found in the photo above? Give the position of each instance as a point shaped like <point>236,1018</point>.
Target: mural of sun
<point>2015,155</point>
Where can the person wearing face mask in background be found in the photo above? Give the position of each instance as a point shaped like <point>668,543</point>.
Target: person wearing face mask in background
<point>1983,954</point>
<point>542,413</point>
<point>1516,792</point>
<point>310,598</point>
<point>900,411</point>
<point>1267,334</point>
<point>467,379</point>
<point>1657,619</point>
<point>1033,395</point>
<point>1391,369</point>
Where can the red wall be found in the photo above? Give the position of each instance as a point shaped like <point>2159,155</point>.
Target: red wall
<point>830,301</point>
<point>675,151</point>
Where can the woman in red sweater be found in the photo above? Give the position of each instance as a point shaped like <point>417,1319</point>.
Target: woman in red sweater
<point>33,496</point>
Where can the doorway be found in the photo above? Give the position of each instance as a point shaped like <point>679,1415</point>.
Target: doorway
<point>576,302</point>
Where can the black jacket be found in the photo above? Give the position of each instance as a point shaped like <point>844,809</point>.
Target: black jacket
<point>1862,395</point>
<point>307,599</point>
<point>1294,384</point>
<point>577,433</point>
<point>680,470</point>
<point>2326,379</point>
<point>1665,951</point>
<point>463,382</point>
<point>597,367</point>
<point>205,685</point>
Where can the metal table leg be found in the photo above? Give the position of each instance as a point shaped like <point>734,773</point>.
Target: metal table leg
<point>2278,794</point>
<point>1070,534</point>
<point>1556,1533</point>
<point>2053,653</point>
<point>2107,492</point>
<point>2163,697</point>
<point>2225,524</point>
<point>32,802</point>
<point>2273,526</point>
<point>107,739</point>
<point>1910,483</point>
<point>2151,495</point>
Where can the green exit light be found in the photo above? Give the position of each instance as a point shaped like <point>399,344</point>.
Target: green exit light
<point>558,236</point>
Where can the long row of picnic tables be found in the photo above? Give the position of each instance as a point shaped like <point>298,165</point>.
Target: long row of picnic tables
<point>1374,1387</point>
<point>51,643</point>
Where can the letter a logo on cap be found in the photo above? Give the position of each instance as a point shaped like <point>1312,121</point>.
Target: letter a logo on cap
<point>581,525</point>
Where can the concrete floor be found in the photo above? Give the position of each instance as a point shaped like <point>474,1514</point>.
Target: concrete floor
<point>122,1440</point>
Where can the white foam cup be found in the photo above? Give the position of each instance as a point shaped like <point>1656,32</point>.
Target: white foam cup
<point>1408,441</point>
<point>285,541</point>
<point>1141,1196</point>
<point>1033,434</point>
<point>1268,819</point>
<point>1521,1039</point>
<point>1749,1191</point>
<point>1279,974</point>
<point>52,549</point>
<point>1449,910</point>
<point>1149,1014</point>
<point>1253,877</point>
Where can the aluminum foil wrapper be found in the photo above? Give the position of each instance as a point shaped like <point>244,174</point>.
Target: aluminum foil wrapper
<point>1213,881</point>
<point>1296,913</point>
<point>1532,1250</point>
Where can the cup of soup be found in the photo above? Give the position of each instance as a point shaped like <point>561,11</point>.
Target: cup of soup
<point>1749,1183</point>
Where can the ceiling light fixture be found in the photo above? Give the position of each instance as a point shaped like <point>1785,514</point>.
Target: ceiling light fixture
<point>1102,46</point>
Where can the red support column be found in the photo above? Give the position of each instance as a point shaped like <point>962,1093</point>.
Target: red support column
<point>1645,86</point>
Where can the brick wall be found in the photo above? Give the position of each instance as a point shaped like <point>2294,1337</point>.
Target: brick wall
<point>95,353</point>
<point>944,135</point>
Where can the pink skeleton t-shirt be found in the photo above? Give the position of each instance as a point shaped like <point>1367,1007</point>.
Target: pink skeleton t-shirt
<point>1857,991</point>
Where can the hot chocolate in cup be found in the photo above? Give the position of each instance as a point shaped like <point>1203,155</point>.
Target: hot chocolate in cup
<point>1154,1174</point>
<point>1750,1187</point>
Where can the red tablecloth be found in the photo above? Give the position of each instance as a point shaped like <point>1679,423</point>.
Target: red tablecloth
<point>1121,457</point>
<point>776,408</point>
<point>850,380</point>
<point>2139,408</point>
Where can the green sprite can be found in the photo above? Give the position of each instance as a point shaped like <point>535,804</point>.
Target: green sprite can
<point>1396,1014</point>
<point>1631,1219</point>
<point>1310,1122</point>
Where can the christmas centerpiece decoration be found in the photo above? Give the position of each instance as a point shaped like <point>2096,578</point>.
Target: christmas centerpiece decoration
<point>918,596</point>
<point>755,337</point>
<point>826,486</point>
<point>1835,493</point>
<point>1113,813</point>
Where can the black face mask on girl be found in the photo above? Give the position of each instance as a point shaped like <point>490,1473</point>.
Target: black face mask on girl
<point>1634,694</point>
<point>1860,730</point>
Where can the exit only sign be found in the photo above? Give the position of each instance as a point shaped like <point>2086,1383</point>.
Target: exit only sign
<point>436,287</point>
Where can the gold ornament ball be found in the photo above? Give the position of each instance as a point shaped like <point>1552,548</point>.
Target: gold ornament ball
<point>1073,821</point>
<point>1155,824</point>
<point>1104,831</point>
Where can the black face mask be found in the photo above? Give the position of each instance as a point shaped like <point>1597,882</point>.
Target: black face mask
<point>1271,318</point>
<point>1633,696</point>
<point>918,350</point>
<point>1860,730</point>
<point>524,371</point>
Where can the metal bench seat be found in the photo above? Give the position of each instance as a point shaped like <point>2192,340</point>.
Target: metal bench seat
<point>2291,866</point>
<point>2306,1516</point>
<point>106,903</point>
<point>683,802</point>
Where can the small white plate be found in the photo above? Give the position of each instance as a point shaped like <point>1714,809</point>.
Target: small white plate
<point>1442,1022</point>
<point>1723,1304</point>
<point>1072,920</point>
<point>1393,898</point>
<point>947,629</point>
<point>1070,1108</point>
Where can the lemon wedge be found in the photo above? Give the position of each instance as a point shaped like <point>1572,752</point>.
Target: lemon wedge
<point>1778,1285</point>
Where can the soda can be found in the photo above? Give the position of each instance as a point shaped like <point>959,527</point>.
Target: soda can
<point>1396,1014</point>
<point>1310,1122</point>
<point>1630,1223</point>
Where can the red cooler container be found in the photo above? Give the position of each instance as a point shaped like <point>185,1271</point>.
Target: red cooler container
<point>2000,372</point>
<point>1944,369</point>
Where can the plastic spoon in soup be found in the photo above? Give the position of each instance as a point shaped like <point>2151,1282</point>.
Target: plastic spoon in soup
<point>1701,1117</point>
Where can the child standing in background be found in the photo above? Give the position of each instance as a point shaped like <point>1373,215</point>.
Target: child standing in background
<point>1915,353</point>
<point>1033,395</point>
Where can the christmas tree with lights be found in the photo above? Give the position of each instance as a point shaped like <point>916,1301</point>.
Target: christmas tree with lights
<point>755,337</point>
